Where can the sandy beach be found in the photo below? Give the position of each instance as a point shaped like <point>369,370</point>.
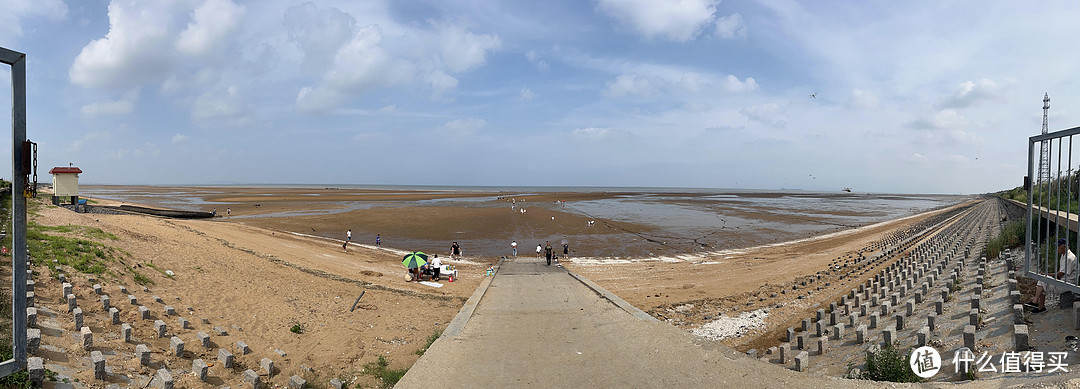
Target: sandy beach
<point>263,275</point>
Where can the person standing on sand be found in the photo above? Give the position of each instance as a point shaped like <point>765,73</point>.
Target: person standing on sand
<point>455,250</point>
<point>565,250</point>
<point>348,235</point>
<point>539,248</point>
<point>547,253</point>
<point>228,212</point>
<point>345,246</point>
<point>513,246</point>
<point>436,267</point>
<point>377,242</point>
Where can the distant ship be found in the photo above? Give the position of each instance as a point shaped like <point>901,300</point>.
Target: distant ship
<point>847,190</point>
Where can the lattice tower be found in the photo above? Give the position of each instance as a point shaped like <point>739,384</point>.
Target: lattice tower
<point>1044,159</point>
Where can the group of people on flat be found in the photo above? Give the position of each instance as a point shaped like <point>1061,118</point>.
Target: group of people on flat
<point>545,248</point>
<point>348,239</point>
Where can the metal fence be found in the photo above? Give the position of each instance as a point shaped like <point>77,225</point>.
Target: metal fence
<point>18,212</point>
<point>1053,206</point>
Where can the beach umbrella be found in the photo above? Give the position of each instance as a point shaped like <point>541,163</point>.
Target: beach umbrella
<point>414,260</point>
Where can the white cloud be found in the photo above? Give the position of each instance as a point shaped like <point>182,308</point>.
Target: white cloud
<point>462,128</point>
<point>211,23</point>
<point>122,106</point>
<point>678,20</point>
<point>629,84</point>
<point>535,59</point>
<point>732,84</point>
<point>319,33</point>
<point>526,94</point>
<point>594,133</point>
<point>768,114</point>
<point>131,52</point>
<point>462,50</point>
<point>227,107</point>
<point>388,109</point>
<point>730,27</point>
<point>861,99</point>
<point>970,92</point>
<point>944,119</point>
<point>179,138</point>
<point>16,10</point>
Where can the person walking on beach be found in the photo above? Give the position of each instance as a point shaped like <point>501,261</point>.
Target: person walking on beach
<point>547,253</point>
<point>348,235</point>
<point>565,250</point>
<point>539,248</point>
<point>345,246</point>
<point>455,251</point>
<point>513,246</point>
<point>377,242</point>
<point>228,212</point>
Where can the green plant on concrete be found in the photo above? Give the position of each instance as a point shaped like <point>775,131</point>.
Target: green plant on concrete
<point>889,364</point>
<point>430,339</point>
<point>380,370</point>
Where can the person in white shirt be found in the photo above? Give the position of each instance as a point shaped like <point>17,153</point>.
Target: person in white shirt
<point>513,246</point>
<point>1067,271</point>
<point>436,266</point>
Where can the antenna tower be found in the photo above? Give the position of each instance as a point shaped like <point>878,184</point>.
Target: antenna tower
<point>1044,160</point>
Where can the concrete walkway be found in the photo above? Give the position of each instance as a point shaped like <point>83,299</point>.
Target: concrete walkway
<point>539,326</point>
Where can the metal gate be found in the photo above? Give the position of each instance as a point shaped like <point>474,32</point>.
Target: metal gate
<point>17,61</point>
<point>1052,208</point>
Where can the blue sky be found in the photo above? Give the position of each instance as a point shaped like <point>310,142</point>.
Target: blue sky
<point>910,96</point>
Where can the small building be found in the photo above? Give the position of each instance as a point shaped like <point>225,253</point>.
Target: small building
<point>65,184</point>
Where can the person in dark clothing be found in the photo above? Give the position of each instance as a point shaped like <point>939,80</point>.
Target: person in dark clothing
<point>547,252</point>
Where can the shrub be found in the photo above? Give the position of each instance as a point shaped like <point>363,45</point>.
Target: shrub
<point>379,369</point>
<point>889,364</point>
<point>431,339</point>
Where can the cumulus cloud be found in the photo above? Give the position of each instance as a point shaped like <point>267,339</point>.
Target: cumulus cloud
<point>733,84</point>
<point>461,128</point>
<point>179,138</point>
<point>969,93</point>
<point>730,27</point>
<point>17,10</point>
<point>526,94</point>
<point>630,85</point>
<point>535,59</point>
<point>369,59</point>
<point>211,23</point>
<point>147,42</point>
<point>222,108</point>
<point>861,99</point>
<point>768,114</point>
<point>122,106</point>
<point>596,133</point>
<point>680,20</point>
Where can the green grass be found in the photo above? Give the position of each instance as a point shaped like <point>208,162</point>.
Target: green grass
<point>297,328</point>
<point>152,266</point>
<point>1011,236</point>
<point>381,371</point>
<point>430,339</point>
<point>889,364</point>
<point>139,277</point>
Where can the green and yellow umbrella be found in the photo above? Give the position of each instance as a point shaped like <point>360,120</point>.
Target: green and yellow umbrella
<point>414,260</point>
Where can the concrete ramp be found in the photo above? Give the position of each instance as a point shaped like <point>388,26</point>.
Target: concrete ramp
<point>537,326</point>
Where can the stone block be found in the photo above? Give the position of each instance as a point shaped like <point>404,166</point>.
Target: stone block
<point>67,288</point>
<point>105,302</point>
<point>169,310</point>
<point>973,317</point>
<point>918,297</point>
<point>802,361</point>
<point>72,302</point>
<point>790,335</point>
<point>242,347</point>
<point>33,340</point>
<point>909,307</point>
<point>142,352</point>
<point>133,300</point>
<point>823,345</point>
<point>251,378</point>
<point>30,285</point>
<point>860,334</point>
<point>295,382</point>
<point>885,308</point>
<point>931,321</point>
<point>160,328</point>
<point>164,379</point>
<point>184,324</point>
<point>1018,314</point>
<point>1015,296</point>
<point>802,345</point>
<point>752,353</point>
<point>77,315</point>
<point>144,312</point>
<point>820,315</point>
<point>29,299</point>
<point>97,289</point>
<point>939,306</point>
<point>976,302</point>
<point>1065,300</point>
<point>99,364</point>
<point>838,331</point>
<point>31,317</point>
<point>35,366</point>
<point>336,383</point>
<point>874,320</point>
<point>114,315</point>
<point>899,321</point>
<point>199,367</point>
<point>921,336</point>
<point>87,338</point>
<point>220,331</point>
<point>125,332</point>
<point>177,346</point>
<point>203,338</point>
<point>969,337</point>
<point>785,349</point>
<point>123,289</point>
<point>888,336</point>
<point>268,366</point>
<point>853,320</point>
<point>225,358</point>
<point>833,317</point>
<point>1020,337</point>
<point>159,300</point>
<point>820,329</point>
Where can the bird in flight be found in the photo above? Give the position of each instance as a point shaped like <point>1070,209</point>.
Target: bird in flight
<point>813,95</point>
